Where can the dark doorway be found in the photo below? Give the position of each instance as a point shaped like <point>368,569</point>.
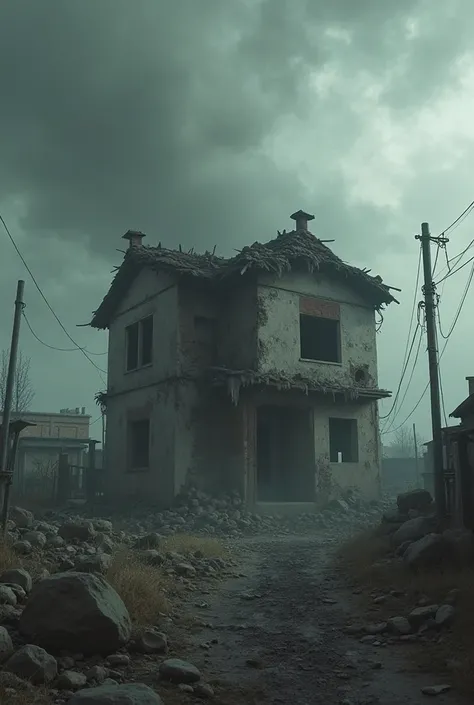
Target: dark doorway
<point>285,454</point>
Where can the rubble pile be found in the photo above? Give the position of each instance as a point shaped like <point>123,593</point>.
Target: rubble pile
<point>63,626</point>
<point>198,513</point>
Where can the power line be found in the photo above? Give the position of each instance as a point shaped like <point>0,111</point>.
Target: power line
<point>408,346</point>
<point>453,325</point>
<point>455,271</point>
<point>52,347</point>
<point>389,426</point>
<point>459,219</point>
<point>46,300</point>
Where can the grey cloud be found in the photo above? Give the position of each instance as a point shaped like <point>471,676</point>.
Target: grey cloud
<point>117,114</point>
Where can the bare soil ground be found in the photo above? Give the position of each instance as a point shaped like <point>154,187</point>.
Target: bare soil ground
<point>276,634</point>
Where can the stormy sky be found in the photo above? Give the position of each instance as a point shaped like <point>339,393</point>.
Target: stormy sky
<point>207,123</point>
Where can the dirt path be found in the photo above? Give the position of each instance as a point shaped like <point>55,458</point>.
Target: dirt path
<point>277,635</point>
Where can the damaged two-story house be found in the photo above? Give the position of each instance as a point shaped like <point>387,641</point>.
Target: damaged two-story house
<point>256,373</point>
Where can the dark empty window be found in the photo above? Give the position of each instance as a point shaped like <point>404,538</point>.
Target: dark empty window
<point>319,339</point>
<point>139,343</point>
<point>140,444</point>
<point>146,340</point>
<point>132,347</point>
<point>343,441</point>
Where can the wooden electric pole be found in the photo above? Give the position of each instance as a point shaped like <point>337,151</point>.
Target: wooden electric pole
<point>7,409</point>
<point>430,307</point>
<point>417,469</point>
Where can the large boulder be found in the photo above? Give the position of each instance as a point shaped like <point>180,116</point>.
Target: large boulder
<point>412,530</point>
<point>77,612</point>
<point>79,530</point>
<point>22,517</point>
<point>429,553</point>
<point>417,500</point>
<point>129,694</point>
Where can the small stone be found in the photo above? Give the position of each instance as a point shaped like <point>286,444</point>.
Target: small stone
<point>422,614</point>
<point>203,690</point>
<point>151,641</point>
<point>179,671</point>
<point>6,645</point>
<point>399,625</point>
<point>81,530</point>
<point>36,538</point>
<point>115,694</point>
<point>18,576</point>
<point>7,596</point>
<point>376,628</point>
<point>445,615</point>
<point>435,689</point>
<point>97,673</point>
<point>23,548</point>
<point>118,660</point>
<point>71,680</point>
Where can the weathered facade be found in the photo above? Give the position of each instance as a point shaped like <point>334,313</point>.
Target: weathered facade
<point>462,448</point>
<point>256,373</point>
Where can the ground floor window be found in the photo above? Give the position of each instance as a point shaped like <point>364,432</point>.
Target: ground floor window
<point>343,441</point>
<point>139,444</point>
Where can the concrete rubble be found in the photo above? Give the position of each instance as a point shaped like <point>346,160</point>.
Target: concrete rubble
<point>67,629</point>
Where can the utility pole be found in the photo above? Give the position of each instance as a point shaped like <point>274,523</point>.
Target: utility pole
<point>7,410</point>
<point>430,304</point>
<point>417,470</point>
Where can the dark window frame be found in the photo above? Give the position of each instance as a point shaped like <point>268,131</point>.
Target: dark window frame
<point>140,355</point>
<point>352,427</point>
<point>135,462</point>
<point>307,319</point>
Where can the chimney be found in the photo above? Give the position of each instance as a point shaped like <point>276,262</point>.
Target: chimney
<point>470,381</point>
<point>301,218</point>
<point>83,411</point>
<point>134,238</point>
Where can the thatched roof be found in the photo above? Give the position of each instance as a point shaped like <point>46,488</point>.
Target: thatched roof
<point>298,249</point>
<point>235,380</point>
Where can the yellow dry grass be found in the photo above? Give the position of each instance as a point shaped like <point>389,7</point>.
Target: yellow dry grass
<point>187,543</point>
<point>37,696</point>
<point>143,588</point>
<point>452,656</point>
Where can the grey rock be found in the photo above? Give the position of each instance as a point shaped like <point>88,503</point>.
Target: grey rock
<point>6,645</point>
<point>118,660</point>
<point>22,517</point>
<point>421,614</point>
<point>76,611</point>
<point>445,615</point>
<point>99,563</point>
<point>80,530</point>
<point>429,552</point>
<point>23,548</point>
<point>178,671</point>
<point>36,538</point>
<point>97,673</point>
<point>112,694</point>
<point>152,641</point>
<point>71,680</point>
<point>399,625</point>
<point>33,664</point>
<point>103,525</point>
<point>152,557</point>
<point>7,595</point>
<point>419,500</point>
<point>435,689</point>
<point>412,530</point>
<point>18,576</point>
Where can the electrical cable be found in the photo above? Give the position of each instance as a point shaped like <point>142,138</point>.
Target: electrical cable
<point>46,300</point>
<point>461,304</point>
<point>455,271</point>
<point>459,219</point>
<point>408,346</point>
<point>456,318</point>
<point>52,347</point>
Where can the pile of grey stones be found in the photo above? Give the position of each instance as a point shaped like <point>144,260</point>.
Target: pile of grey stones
<point>66,628</point>
<point>199,513</point>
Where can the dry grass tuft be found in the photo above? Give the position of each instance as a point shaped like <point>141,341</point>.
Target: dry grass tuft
<point>186,543</point>
<point>38,696</point>
<point>143,588</point>
<point>452,656</point>
<point>8,558</point>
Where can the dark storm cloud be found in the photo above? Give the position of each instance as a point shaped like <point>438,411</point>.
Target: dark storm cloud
<point>153,114</point>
